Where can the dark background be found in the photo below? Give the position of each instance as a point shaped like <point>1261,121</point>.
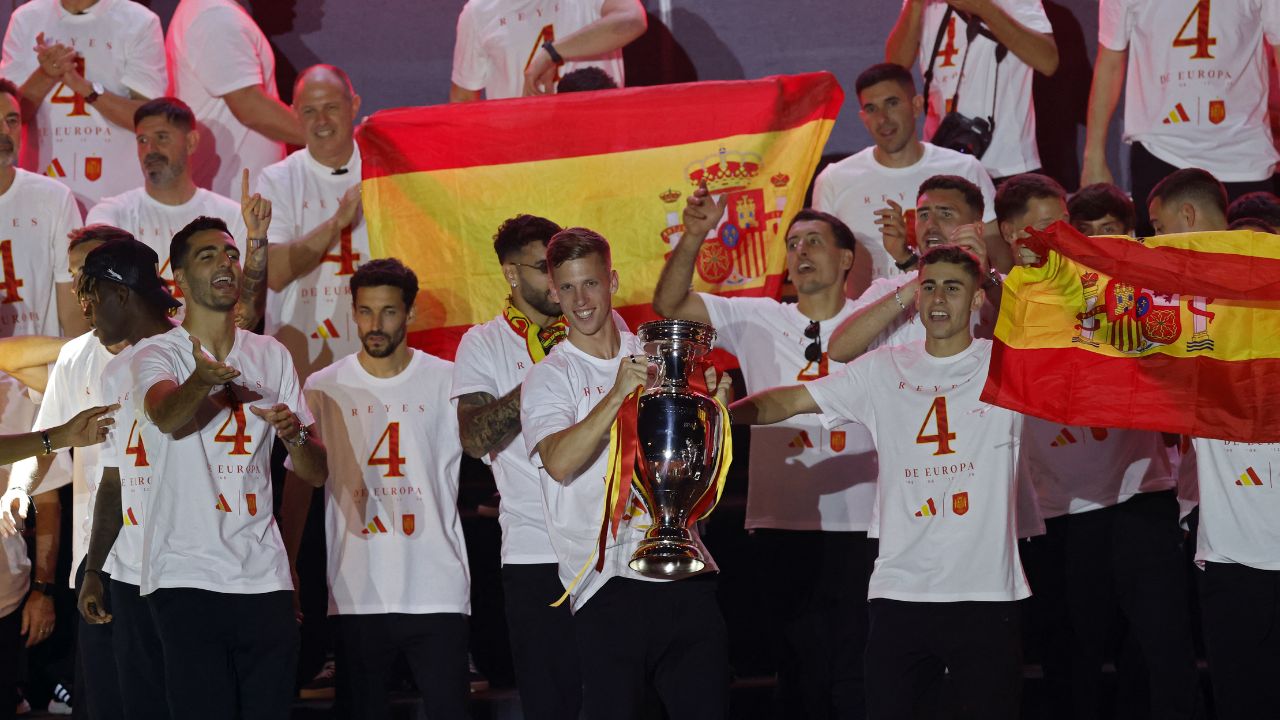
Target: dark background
<point>400,52</point>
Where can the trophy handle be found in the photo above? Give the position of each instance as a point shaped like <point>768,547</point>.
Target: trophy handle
<point>660,374</point>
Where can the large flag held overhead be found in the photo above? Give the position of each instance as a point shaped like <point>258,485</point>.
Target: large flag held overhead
<point>438,181</point>
<point>1179,333</point>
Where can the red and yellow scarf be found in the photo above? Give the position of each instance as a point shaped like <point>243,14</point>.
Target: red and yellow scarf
<point>538,340</point>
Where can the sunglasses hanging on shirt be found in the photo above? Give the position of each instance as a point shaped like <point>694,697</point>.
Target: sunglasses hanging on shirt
<point>813,352</point>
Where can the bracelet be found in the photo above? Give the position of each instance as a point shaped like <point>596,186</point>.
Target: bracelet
<point>551,50</point>
<point>907,264</point>
<point>48,444</point>
<point>898,297</point>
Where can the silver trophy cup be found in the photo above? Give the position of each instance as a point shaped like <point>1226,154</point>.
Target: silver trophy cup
<point>681,435</point>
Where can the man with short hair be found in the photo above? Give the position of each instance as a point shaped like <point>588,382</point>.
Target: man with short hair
<point>85,67</point>
<point>981,55</point>
<point>128,302</point>
<point>584,79</point>
<point>319,236</point>
<point>1101,209</point>
<point>221,65</point>
<point>1112,541</point>
<point>1195,81</point>
<point>398,576</point>
<point>493,359</point>
<point>947,578</point>
<point>507,49</point>
<point>811,491</point>
<point>1263,206</point>
<point>1188,200</point>
<point>949,211</point>
<point>38,213</point>
<point>167,139</point>
<point>877,186</point>
<point>568,404</point>
<point>211,549</point>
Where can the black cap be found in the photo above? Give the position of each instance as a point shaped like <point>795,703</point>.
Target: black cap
<point>132,264</point>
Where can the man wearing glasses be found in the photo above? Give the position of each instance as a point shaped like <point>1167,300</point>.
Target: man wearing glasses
<point>492,362</point>
<point>810,489</point>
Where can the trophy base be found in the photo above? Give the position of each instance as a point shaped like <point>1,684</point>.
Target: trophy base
<point>668,559</point>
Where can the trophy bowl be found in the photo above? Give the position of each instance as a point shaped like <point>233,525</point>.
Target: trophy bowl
<point>681,434</point>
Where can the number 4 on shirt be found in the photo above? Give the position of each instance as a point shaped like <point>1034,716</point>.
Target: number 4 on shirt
<point>943,436</point>
<point>393,460</point>
<point>1202,41</point>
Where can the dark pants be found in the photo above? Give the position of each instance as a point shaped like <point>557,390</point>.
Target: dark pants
<point>913,646</point>
<point>817,596</point>
<point>435,646</point>
<point>634,634</point>
<point>1127,558</point>
<point>10,659</point>
<point>1147,170</point>
<point>546,666</point>
<point>138,654</point>
<point>1241,610</point>
<point>227,655</point>
<point>96,662</point>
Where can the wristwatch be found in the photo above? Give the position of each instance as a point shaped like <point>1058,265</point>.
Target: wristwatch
<point>993,278</point>
<point>43,587</point>
<point>907,264</point>
<point>551,51</point>
<point>92,97</point>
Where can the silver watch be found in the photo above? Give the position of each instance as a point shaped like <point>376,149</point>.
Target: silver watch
<point>301,438</point>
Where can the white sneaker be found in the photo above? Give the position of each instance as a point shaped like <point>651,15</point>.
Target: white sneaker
<point>60,704</point>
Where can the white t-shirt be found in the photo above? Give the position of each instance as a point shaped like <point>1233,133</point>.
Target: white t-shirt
<point>36,213</point>
<point>154,223</point>
<point>947,511</point>
<point>1239,503</point>
<point>557,394</point>
<point>1196,95</point>
<point>1078,469</point>
<point>493,359</point>
<point>210,524</point>
<point>803,476</point>
<point>312,315</point>
<point>16,416</point>
<point>1013,141</point>
<point>856,187</point>
<point>497,39</point>
<point>215,48</point>
<point>122,49</point>
<point>129,449</point>
<point>391,501</point>
<point>75,384</point>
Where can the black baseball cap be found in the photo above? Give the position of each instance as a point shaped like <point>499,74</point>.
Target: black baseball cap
<point>132,264</point>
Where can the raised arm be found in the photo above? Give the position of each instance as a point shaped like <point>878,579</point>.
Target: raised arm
<point>858,331</point>
<point>1036,49</point>
<point>256,211</point>
<point>485,423</point>
<point>1104,94</point>
<point>674,296</point>
<point>904,38</point>
<point>773,406</point>
<point>567,452</point>
<point>621,21</point>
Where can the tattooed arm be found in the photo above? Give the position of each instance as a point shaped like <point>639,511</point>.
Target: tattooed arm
<point>487,424</point>
<point>253,285</point>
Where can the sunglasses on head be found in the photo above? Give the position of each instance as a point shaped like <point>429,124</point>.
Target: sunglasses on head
<point>813,352</point>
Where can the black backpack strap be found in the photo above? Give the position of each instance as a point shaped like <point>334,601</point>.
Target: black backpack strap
<point>933,56</point>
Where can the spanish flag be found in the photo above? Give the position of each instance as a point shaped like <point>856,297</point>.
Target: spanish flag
<point>1179,333</point>
<point>438,181</point>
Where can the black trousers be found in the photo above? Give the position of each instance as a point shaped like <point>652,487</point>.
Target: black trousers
<point>1241,610</point>
<point>670,636</point>
<point>10,660</point>
<point>547,672</point>
<point>817,605</point>
<point>96,662</point>
<point>227,655</point>
<point>913,646</point>
<point>435,646</point>
<point>138,654</point>
<point>1147,170</point>
<point>1127,559</point>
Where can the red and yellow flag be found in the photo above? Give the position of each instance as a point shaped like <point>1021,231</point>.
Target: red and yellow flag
<point>438,181</point>
<point>1179,333</point>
